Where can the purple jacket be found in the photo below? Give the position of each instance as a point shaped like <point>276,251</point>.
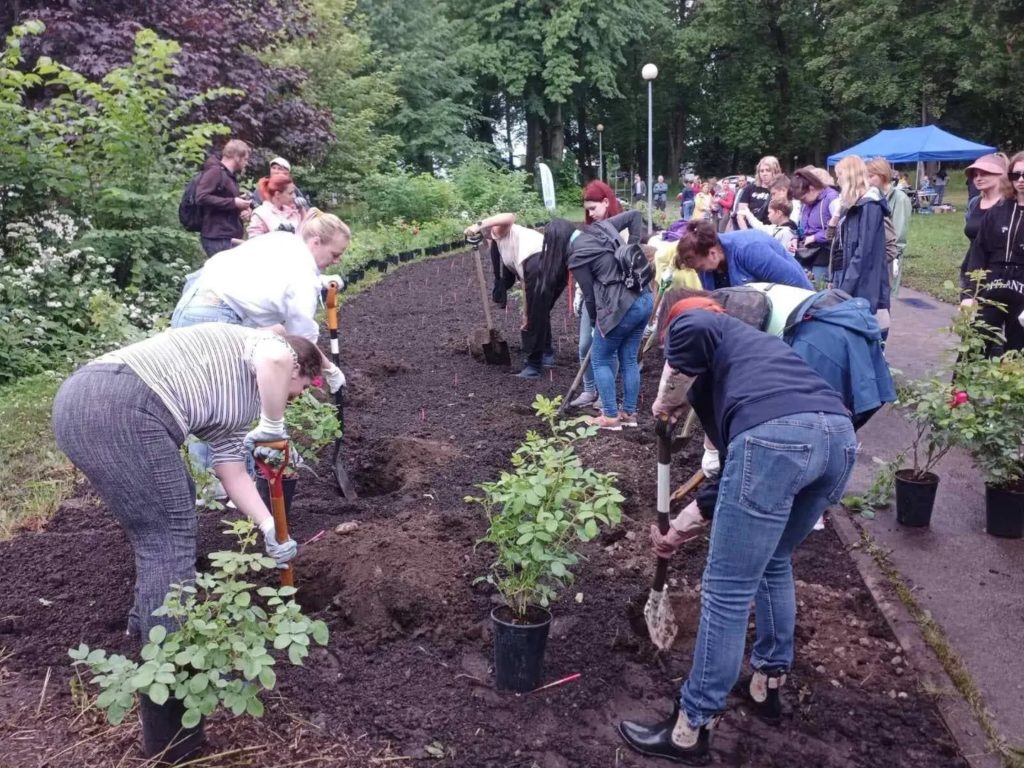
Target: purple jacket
<point>814,218</point>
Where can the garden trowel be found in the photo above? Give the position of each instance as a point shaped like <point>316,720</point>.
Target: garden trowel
<point>340,473</point>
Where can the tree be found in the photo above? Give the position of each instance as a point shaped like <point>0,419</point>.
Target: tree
<point>219,42</point>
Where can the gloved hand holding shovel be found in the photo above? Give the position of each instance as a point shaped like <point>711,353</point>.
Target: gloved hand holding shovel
<point>272,458</point>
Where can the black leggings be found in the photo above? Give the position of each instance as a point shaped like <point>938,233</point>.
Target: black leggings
<point>541,296</point>
<point>1009,292</point>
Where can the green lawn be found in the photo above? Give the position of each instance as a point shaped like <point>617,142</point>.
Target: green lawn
<point>34,475</point>
<point>936,246</point>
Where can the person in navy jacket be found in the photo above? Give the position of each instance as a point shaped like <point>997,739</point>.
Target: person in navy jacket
<point>737,258</point>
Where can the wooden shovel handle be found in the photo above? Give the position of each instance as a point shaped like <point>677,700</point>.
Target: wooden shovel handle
<point>332,307</point>
<point>274,478</point>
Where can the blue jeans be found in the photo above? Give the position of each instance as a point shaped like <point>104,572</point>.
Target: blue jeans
<point>777,480</point>
<point>586,339</point>
<point>687,210</point>
<point>621,344</point>
<point>820,275</point>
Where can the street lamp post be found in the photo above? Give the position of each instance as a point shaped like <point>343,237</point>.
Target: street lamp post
<point>600,151</point>
<point>649,73</point>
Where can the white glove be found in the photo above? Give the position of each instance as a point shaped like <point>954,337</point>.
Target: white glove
<point>334,377</point>
<point>282,552</point>
<point>577,302</point>
<point>895,267</point>
<point>709,463</point>
<point>267,431</point>
<point>327,280</point>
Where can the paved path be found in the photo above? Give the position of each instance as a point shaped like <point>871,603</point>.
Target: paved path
<point>972,583</point>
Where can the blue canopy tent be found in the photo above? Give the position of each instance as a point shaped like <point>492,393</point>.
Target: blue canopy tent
<point>913,145</point>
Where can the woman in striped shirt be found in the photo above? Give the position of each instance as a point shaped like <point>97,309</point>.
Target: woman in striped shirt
<point>123,418</point>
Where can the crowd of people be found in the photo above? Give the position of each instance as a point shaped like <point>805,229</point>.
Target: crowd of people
<point>769,299</point>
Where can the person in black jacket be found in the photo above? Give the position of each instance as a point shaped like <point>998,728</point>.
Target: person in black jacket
<point>788,449</point>
<point>859,263</point>
<point>223,208</point>
<point>618,314</point>
<point>998,249</point>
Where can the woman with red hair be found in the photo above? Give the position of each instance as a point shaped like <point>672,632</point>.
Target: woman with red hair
<point>599,203</point>
<point>278,210</point>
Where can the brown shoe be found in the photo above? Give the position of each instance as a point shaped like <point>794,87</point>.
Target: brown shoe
<point>604,422</point>
<point>628,419</point>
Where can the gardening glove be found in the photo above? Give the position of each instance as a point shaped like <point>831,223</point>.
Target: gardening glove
<point>709,462</point>
<point>672,390</point>
<point>577,302</point>
<point>334,377</point>
<point>326,280</point>
<point>266,431</point>
<point>281,552</point>
<point>687,526</point>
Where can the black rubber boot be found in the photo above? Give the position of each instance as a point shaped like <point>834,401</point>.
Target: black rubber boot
<point>671,738</point>
<point>762,690</point>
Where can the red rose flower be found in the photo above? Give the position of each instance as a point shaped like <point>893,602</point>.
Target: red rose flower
<point>958,399</point>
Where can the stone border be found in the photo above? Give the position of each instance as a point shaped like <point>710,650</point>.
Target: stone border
<point>956,713</point>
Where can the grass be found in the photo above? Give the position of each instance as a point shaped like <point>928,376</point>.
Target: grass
<point>34,476</point>
<point>936,246</point>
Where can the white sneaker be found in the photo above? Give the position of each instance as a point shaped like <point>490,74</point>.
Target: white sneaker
<point>585,398</point>
<point>820,525</point>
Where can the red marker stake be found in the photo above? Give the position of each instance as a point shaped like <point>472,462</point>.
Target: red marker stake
<point>569,679</point>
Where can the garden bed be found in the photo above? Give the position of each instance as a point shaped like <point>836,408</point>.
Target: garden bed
<point>406,673</point>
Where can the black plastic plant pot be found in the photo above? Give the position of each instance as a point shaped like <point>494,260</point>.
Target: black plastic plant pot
<point>519,648</point>
<point>455,245</point>
<point>915,498</point>
<point>382,265</point>
<point>164,739</point>
<point>289,484</point>
<point>392,258</point>
<point>355,275</point>
<point>405,256</point>
<point>1004,512</point>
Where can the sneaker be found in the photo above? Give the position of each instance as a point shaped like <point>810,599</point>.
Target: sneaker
<point>529,372</point>
<point>604,422</point>
<point>628,419</point>
<point>585,398</point>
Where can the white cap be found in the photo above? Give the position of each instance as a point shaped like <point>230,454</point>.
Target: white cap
<point>282,162</point>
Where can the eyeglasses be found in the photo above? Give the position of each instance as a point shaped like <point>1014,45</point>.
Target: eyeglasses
<point>1016,175</point>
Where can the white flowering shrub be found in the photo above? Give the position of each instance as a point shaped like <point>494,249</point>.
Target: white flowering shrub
<point>60,302</point>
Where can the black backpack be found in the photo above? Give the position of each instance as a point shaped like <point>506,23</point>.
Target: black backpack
<point>747,304</point>
<point>637,272</point>
<point>189,213</point>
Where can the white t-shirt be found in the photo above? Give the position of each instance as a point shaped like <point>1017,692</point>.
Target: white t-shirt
<point>267,280</point>
<point>518,245</point>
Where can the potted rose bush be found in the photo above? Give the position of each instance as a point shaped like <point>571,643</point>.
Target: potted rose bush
<point>538,513</point>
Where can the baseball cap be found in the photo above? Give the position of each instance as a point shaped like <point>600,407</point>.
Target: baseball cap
<point>282,162</point>
<point>989,164</point>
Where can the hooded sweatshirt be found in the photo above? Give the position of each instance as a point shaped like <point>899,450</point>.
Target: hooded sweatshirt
<point>592,261</point>
<point>743,377</point>
<point>859,251</point>
<point>755,256</point>
<point>999,244</point>
<point>215,195</point>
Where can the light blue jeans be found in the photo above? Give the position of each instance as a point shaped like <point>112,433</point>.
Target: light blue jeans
<point>586,339</point>
<point>621,345</point>
<point>777,480</point>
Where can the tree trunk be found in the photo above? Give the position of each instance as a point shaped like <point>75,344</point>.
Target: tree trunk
<point>533,141</point>
<point>556,136</point>
<point>508,130</point>
<point>676,138</point>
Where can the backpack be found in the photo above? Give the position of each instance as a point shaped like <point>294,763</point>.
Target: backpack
<point>750,305</point>
<point>189,213</point>
<point>634,267</point>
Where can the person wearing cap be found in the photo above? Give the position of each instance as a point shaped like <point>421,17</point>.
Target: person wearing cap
<point>988,174</point>
<point>280,165</point>
<point>998,249</point>
<point>788,449</point>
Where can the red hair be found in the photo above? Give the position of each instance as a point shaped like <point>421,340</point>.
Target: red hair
<point>598,192</point>
<point>276,182</point>
<point>688,305</point>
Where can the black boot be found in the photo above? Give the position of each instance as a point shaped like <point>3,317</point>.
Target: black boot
<point>672,738</point>
<point>762,690</point>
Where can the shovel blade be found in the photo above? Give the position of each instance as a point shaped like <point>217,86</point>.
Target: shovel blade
<point>496,351</point>
<point>661,623</point>
<point>341,476</point>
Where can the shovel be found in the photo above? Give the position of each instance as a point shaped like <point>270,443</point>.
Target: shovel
<point>575,383</point>
<point>661,623</point>
<point>275,479</point>
<point>340,473</point>
<point>487,342</point>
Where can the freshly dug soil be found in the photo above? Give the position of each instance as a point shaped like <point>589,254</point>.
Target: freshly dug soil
<point>407,673</point>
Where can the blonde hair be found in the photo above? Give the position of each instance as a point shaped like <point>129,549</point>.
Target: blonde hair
<point>852,174</point>
<point>772,162</point>
<point>879,166</point>
<point>326,226</point>
<point>235,148</point>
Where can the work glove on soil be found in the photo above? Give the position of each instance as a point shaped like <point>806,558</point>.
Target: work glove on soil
<point>281,552</point>
<point>334,377</point>
<point>672,391</point>
<point>266,431</point>
<point>687,526</point>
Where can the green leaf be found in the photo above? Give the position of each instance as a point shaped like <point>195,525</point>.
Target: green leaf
<point>158,693</point>
<point>157,634</point>
<point>268,678</point>
<point>191,718</point>
<point>296,653</point>
<point>254,707</point>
